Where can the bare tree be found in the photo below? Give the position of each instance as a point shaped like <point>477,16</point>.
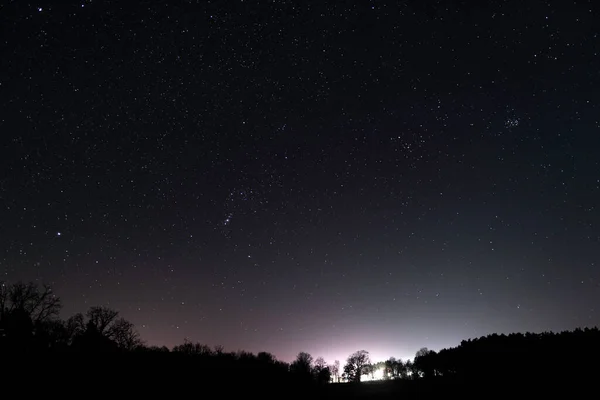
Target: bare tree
<point>101,317</point>
<point>320,363</point>
<point>75,326</point>
<point>39,304</point>
<point>124,334</point>
<point>195,349</point>
<point>335,370</point>
<point>219,349</point>
<point>105,322</point>
<point>321,371</point>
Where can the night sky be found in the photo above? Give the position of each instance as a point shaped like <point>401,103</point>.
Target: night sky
<point>305,175</point>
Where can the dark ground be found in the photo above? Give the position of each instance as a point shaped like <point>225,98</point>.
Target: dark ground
<point>102,377</point>
<point>503,388</point>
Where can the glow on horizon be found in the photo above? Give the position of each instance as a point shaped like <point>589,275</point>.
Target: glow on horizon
<point>378,375</point>
<point>375,357</point>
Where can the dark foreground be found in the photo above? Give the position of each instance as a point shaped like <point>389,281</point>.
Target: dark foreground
<point>447,389</point>
<point>127,376</point>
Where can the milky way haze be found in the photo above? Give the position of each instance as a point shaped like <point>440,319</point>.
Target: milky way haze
<point>305,176</point>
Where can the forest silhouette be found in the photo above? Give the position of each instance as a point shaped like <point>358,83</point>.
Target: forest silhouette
<point>100,353</point>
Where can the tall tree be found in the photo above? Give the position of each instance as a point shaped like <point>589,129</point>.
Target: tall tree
<point>355,365</point>
<point>335,370</point>
<point>390,368</point>
<point>411,371</point>
<point>424,362</point>
<point>321,371</point>
<point>395,368</point>
<point>302,365</point>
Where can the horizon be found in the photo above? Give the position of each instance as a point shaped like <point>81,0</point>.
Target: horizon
<point>380,353</point>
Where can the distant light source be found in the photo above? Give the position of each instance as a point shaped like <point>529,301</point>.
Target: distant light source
<point>377,375</point>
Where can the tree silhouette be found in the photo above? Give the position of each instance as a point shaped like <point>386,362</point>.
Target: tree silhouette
<point>26,311</point>
<point>103,331</point>
<point>74,326</point>
<point>355,365</point>
<point>320,363</point>
<point>154,349</point>
<point>335,370</point>
<point>369,370</point>
<point>92,340</point>
<point>219,349</point>
<point>39,304</point>
<point>400,369</point>
<point>424,362</point>
<point>266,358</point>
<point>52,335</point>
<point>321,371</point>
<point>101,317</point>
<point>124,334</point>
<point>393,368</point>
<point>196,349</point>
<point>302,365</point>
<point>410,370</point>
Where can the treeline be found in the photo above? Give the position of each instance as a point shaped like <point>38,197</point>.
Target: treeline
<point>530,356</point>
<point>100,342</point>
<point>29,322</point>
